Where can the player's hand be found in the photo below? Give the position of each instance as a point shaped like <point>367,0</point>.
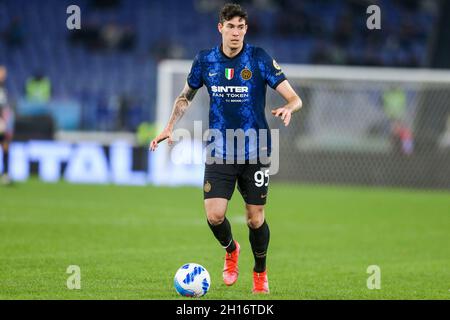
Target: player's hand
<point>284,113</point>
<point>165,134</point>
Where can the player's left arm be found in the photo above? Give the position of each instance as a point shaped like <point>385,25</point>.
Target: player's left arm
<point>293,102</point>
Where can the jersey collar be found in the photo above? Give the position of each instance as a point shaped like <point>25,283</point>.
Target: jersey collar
<point>236,56</point>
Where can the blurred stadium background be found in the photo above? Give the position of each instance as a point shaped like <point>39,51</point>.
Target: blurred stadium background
<point>86,103</point>
<point>100,83</point>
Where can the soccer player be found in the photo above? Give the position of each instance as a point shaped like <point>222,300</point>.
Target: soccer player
<point>236,75</point>
<point>6,126</point>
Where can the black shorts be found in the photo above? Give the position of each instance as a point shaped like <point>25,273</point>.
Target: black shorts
<point>252,181</point>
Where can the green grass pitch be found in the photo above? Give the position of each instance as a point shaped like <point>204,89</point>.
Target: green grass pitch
<point>129,242</point>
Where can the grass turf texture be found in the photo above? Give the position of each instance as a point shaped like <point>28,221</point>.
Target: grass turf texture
<point>129,242</point>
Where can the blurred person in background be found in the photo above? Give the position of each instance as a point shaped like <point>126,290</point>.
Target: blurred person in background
<point>445,137</point>
<point>38,88</point>
<point>14,34</point>
<point>6,126</point>
<point>166,49</point>
<point>394,104</point>
<point>114,36</point>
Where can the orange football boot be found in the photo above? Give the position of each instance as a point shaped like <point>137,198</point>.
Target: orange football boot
<point>230,268</point>
<point>260,282</point>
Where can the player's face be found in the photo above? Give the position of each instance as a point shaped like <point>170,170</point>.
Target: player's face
<point>233,32</point>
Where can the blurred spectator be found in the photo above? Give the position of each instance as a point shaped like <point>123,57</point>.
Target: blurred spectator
<point>320,53</point>
<point>338,55</point>
<point>114,36</point>
<point>89,36</point>
<point>135,114</point>
<point>6,126</point>
<point>145,132</point>
<point>294,21</point>
<point>344,30</point>
<point>14,34</point>
<point>371,56</point>
<point>3,97</point>
<point>130,112</point>
<point>38,88</point>
<point>124,107</point>
<point>165,49</point>
<point>111,36</point>
<point>412,5</point>
<point>394,104</point>
<point>445,138</point>
<point>105,114</point>
<point>358,7</point>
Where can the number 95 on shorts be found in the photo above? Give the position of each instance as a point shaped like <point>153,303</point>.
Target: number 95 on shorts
<point>252,181</point>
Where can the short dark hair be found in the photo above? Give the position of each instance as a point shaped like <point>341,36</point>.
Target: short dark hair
<point>231,10</point>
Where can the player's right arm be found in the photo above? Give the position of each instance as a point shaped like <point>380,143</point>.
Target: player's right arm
<point>180,106</point>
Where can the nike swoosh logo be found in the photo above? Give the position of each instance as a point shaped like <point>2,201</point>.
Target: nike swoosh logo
<point>212,74</point>
<point>263,196</point>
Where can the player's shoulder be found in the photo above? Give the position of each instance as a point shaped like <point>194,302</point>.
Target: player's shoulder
<point>259,52</point>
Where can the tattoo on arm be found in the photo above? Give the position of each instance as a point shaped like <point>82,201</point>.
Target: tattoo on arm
<point>181,104</point>
<point>188,93</point>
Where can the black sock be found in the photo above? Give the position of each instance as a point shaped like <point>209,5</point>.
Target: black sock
<point>5,162</point>
<point>259,240</point>
<point>222,232</point>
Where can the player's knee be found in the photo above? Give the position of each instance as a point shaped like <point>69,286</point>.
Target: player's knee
<point>215,218</point>
<point>255,217</point>
<point>255,223</point>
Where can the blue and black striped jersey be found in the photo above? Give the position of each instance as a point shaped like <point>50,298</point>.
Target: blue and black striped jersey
<point>237,90</point>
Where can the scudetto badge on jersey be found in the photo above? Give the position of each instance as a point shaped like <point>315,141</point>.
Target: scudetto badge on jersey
<point>275,64</point>
<point>229,73</point>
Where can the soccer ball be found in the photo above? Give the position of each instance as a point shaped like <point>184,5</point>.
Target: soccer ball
<point>192,280</point>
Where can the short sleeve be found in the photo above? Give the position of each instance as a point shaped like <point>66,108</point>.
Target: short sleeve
<point>194,78</point>
<point>270,69</point>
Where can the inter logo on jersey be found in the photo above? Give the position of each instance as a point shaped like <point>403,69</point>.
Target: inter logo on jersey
<point>207,187</point>
<point>246,74</point>
<point>229,73</point>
